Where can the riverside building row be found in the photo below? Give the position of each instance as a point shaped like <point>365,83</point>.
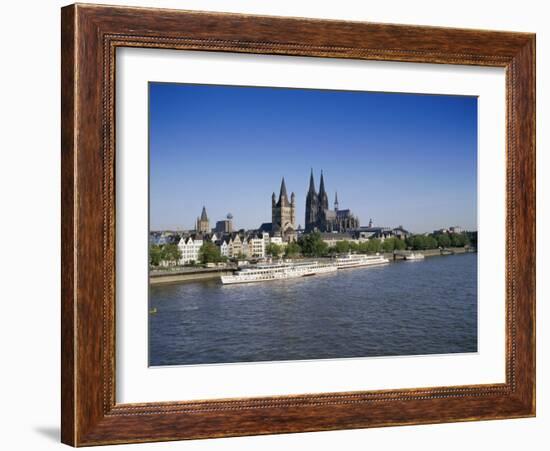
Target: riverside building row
<point>234,245</point>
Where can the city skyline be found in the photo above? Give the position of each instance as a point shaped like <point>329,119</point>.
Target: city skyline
<point>400,159</point>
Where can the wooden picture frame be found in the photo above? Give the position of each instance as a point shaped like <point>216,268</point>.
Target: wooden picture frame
<point>90,36</point>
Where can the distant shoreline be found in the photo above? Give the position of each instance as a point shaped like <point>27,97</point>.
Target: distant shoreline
<point>198,274</point>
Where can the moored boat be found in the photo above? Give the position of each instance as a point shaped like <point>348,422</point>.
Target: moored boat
<point>414,256</point>
<point>358,260</point>
<point>278,271</point>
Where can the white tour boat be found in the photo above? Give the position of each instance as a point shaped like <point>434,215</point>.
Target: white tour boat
<point>414,256</point>
<point>357,260</point>
<point>278,271</point>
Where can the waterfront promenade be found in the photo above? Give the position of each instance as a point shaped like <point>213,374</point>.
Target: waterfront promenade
<point>188,275</point>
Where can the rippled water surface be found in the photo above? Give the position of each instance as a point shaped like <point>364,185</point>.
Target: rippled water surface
<point>405,308</point>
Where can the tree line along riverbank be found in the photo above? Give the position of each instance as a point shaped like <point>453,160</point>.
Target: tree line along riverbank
<point>314,245</point>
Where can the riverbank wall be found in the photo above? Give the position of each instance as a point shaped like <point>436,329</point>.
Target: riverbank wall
<point>188,276</point>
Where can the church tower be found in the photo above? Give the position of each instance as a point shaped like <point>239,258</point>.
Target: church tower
<point>336,201</point>
<point>203,224</point>
<point>323,198</point>
<point>283,214</point>
<point>312,205</point>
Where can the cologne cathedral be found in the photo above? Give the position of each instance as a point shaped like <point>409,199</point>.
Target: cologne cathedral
<point>320,218</point>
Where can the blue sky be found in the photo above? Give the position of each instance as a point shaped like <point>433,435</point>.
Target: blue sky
<point>400,159</point>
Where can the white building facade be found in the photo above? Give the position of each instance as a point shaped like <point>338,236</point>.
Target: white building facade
<point>189,250</point>
<point>256,247</point>
<point>224,248</point>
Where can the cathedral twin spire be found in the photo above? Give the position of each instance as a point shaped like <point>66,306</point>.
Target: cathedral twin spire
<point>312,184</point>
<point>318,215</point>
<point>323,197</point>
<point>315,202</point>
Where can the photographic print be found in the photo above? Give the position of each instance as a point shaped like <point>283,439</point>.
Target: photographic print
<point>298,224</point>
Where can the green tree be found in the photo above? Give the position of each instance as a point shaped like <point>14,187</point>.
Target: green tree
<point>171,253</point>
<point>399,244</point>
<point>459,239</point>
<point>415,242</point>
<point>313,245</point>
<point>471,238</point>
<point>374,245</point>
<point>292,250</point>
<point>155,255</point>
<point>393,243</point>
<point>431,242</point>
<point>388,245</point>
<point>273,249</point>
<point>419,242</point>
<point>321,249</point>
<point>342,247</point>
<point>209,253</point>
<point>443,240</point>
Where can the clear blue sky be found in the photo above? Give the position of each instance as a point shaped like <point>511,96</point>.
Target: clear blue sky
<point>400,159</point>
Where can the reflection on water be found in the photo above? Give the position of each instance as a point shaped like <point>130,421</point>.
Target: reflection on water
<point>405,308</point>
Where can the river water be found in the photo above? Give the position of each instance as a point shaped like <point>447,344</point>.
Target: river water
<point>404,308</point>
